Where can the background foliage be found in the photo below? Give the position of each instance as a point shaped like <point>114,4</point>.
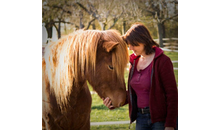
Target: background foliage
<point>160,16</point>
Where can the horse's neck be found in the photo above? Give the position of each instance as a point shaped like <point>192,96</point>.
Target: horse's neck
<point>76,91</point>
<point>77,87</point>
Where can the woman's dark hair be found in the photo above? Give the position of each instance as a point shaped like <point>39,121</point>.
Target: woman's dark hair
<point>138,33</point>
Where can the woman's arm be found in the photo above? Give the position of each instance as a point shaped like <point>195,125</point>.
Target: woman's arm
<point>170,87</point>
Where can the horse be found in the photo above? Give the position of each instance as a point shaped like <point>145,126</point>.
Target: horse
<point>93,56</point>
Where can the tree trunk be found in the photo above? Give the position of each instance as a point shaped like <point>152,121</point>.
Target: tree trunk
<point>81,25</point>
<point>59,30</point>
<point>93,26</point>
<point>164,31</point>
<point>49,28</point>
<point>160,33</point>
<point>124,28</point>
<point>102,25</point>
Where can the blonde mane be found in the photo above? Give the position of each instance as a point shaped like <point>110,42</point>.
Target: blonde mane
<point>67,59</point>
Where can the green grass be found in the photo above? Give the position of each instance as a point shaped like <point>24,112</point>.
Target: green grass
<point>176,76</point>
<point>175,65</point>
<point>114,127</point>
<point>101,113</point>
<point>173,55</point>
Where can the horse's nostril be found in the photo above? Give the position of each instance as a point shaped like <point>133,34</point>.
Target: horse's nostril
<point>120,105</point>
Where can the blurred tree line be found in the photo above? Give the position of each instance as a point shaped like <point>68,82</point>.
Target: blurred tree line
<point>160,16</point>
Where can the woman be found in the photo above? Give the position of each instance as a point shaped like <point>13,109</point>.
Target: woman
<point>152,89</point>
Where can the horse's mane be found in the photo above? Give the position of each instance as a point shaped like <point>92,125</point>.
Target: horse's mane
<point>67,59</point>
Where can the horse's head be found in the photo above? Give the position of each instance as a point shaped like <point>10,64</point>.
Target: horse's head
<point>107,77</point>
<point>97,56</point>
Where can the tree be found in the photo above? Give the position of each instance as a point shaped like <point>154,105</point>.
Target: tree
<point>132,13</point>
<point>55,12</point>
<point>106,12</point>
<point>161,11</point>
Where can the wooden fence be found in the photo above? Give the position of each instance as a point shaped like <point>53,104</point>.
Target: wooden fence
<point>170,44</point>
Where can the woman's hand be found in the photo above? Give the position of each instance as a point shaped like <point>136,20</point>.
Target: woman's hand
<point>108,103</point>
<point>169,128</point>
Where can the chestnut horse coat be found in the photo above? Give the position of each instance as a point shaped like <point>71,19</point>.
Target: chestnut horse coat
<point>98,57</point>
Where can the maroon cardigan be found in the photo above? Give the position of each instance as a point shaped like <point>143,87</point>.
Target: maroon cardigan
<point>163,94</point>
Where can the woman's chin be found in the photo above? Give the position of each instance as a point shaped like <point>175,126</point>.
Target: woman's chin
<point>135,54</point>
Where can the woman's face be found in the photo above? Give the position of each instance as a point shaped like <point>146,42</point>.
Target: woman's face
<point>138,50</point>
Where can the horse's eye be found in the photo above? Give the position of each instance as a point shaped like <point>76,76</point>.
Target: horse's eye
<point>110,67</point>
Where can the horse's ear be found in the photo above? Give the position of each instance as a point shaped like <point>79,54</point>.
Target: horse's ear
<point>109,45</point>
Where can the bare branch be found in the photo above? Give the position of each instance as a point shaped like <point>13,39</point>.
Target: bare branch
<point>64,22</point>
<point>90,23</point>
<point>89,12</point>
<point>80,5</point>
<point>55,6</point>
<point>169,18</point>
<point>115,20</point>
